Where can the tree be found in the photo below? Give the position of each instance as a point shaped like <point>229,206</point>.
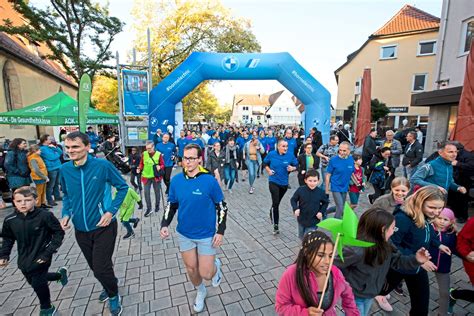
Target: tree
<point>200,104</point>
<point>104,94</point>
<point>71,30</point>
<point>180,27</point>
<point>378,109</point>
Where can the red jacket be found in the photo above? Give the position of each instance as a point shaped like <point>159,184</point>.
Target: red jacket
<point>290,303</point>
<point>465,245</point>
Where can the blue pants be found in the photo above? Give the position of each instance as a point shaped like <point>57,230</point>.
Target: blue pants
<point>303,230</point>
<point>229,175</point>
<point>252,165</point>
<point>323,177</point>
<point>339,200</point>
<point>363,305</point>
<point>52,187</point>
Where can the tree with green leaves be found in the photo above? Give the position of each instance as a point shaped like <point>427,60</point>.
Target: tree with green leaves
<point>378,109</point>
<point>78,33</point>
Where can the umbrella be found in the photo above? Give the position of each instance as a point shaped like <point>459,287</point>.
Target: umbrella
<point>57,110</point>
<point>364,113</point>
<point>464,130</point>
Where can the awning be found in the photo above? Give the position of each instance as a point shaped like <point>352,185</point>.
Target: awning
<point>449,96</point>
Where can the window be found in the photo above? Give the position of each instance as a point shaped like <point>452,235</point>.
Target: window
<point>245,117</point>
<point>245,108</point>
<point>467,34</point>
<point>388,52</point>
<point>419,82</point>
<point>426,48</point>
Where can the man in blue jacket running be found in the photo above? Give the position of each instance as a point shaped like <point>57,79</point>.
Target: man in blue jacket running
<point>86,182</point>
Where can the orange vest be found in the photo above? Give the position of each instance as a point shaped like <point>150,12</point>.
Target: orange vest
<point>41,166</point>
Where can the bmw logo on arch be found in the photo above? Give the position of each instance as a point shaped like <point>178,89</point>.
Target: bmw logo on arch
<point>153,121</point>
<point>230,64</point>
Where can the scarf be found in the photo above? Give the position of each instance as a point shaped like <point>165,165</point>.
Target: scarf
<point>228,150</point>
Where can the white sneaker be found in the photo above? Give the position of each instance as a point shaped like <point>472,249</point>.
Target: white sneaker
<point>200,297</point>
<point>217,278</point>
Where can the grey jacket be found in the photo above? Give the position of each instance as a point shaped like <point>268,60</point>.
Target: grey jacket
<point>385,202</point>
<point>367,281</point>
<point>396,150</point>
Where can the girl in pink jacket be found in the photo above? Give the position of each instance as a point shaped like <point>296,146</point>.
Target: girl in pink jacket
<point>301,285</point>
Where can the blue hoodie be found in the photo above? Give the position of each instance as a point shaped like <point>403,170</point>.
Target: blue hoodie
<point>436,172</point>
<point>408,238</point>
<point>87,192</point>
<point>51,156</point>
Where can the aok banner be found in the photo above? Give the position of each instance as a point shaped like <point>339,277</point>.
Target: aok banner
<point>135,92</point>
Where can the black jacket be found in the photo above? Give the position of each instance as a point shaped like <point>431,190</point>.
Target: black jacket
<point>302,163</point>
<point>38,234</point>
<point>369,148</point>
<point>134,160</point>
<point>413,154</point>
<point>310,202</point>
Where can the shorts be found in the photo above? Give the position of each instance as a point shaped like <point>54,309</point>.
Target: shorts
<point>204,246</point>
<point>354,197</point>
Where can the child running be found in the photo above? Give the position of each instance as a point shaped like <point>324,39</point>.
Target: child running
<point>366,268</point>
<point>413,232</point>
<point>126,212</point>
<point>38,235</point>
<point>357,181</point>
<point>309,203</point>
<point>444,225</point>
<point>301,284</point>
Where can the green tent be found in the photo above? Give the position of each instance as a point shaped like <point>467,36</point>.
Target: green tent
<point>57,110</point>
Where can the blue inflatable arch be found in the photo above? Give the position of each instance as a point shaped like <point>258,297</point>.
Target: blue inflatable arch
<point>221,66</point>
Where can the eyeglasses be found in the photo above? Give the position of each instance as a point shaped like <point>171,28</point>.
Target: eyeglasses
<point>190,159</point>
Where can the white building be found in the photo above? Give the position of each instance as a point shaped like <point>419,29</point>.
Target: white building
<point>455,36</point>
<point>274,109</point>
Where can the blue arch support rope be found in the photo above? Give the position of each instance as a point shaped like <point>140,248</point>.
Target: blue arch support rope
<point>199,67</point>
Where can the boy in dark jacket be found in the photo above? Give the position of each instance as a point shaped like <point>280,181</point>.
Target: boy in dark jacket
<point>309,203</point>
<point>39,235</point>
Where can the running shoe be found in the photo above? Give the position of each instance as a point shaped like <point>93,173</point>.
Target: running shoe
<point>383,303</point>
<point>103,296</point>
<point>200,297</point>
<point>147,213</point>
<point>136,223</point>
<point>48,311</point>
<point>129,235</point>
<point>251,190</point>
<point>452,302</point>
<point>399,289</point>
<point>64,278</point>
<point>115,305</point>
<point>217,278</point>
<point>275,229</point>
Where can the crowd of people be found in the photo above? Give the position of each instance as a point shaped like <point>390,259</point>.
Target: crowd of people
<point>413,230</point>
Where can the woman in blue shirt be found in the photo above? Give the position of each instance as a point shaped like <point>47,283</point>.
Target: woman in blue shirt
<point>279,164</point>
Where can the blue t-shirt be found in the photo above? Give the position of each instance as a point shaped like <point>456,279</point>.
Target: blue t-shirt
<point>196,222</point>
<point>241,142</point>
<point>168,150</point>
<point>291,145</point>
<point>212,141</point>
<point>341,171</point>
<point>271,143</point>
<point>279,163</point>
<point>196,141</point>
<point>182,142</point>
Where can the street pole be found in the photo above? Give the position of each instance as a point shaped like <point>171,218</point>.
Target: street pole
<point>121,118</point>
<point>148,36</point>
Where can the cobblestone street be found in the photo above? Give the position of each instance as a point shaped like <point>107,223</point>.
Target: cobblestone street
<point>153,281</point>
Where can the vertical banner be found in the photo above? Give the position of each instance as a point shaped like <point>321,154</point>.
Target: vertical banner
<point>179,121</point>
<point>135,92</point>
<point>84,100</point>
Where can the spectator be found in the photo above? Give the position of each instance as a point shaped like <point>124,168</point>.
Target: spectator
<point>39,174</point>
<point>157,137</point>
<point>338,177</point>
<point>413,155</point>
<point>317,138</point>
<point>51,156</point>
<point>439,172</point>
<point>369,147</point>
<point>395,148</point>
<point>16,164</point>
<point>463,174</point>
<point>344,134</point>
<point>93,137</point>
<point>419,134</point>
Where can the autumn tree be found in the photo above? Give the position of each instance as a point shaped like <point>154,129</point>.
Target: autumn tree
<point>78,33</point>
<point>199,104</point>
<point>378,109</point>
<point>180,27</point>
<point>104,94</point>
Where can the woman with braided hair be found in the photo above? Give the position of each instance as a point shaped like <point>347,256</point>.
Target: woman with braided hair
<point>301,285</point>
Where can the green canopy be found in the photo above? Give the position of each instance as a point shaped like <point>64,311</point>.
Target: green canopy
<point>57,110</point>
